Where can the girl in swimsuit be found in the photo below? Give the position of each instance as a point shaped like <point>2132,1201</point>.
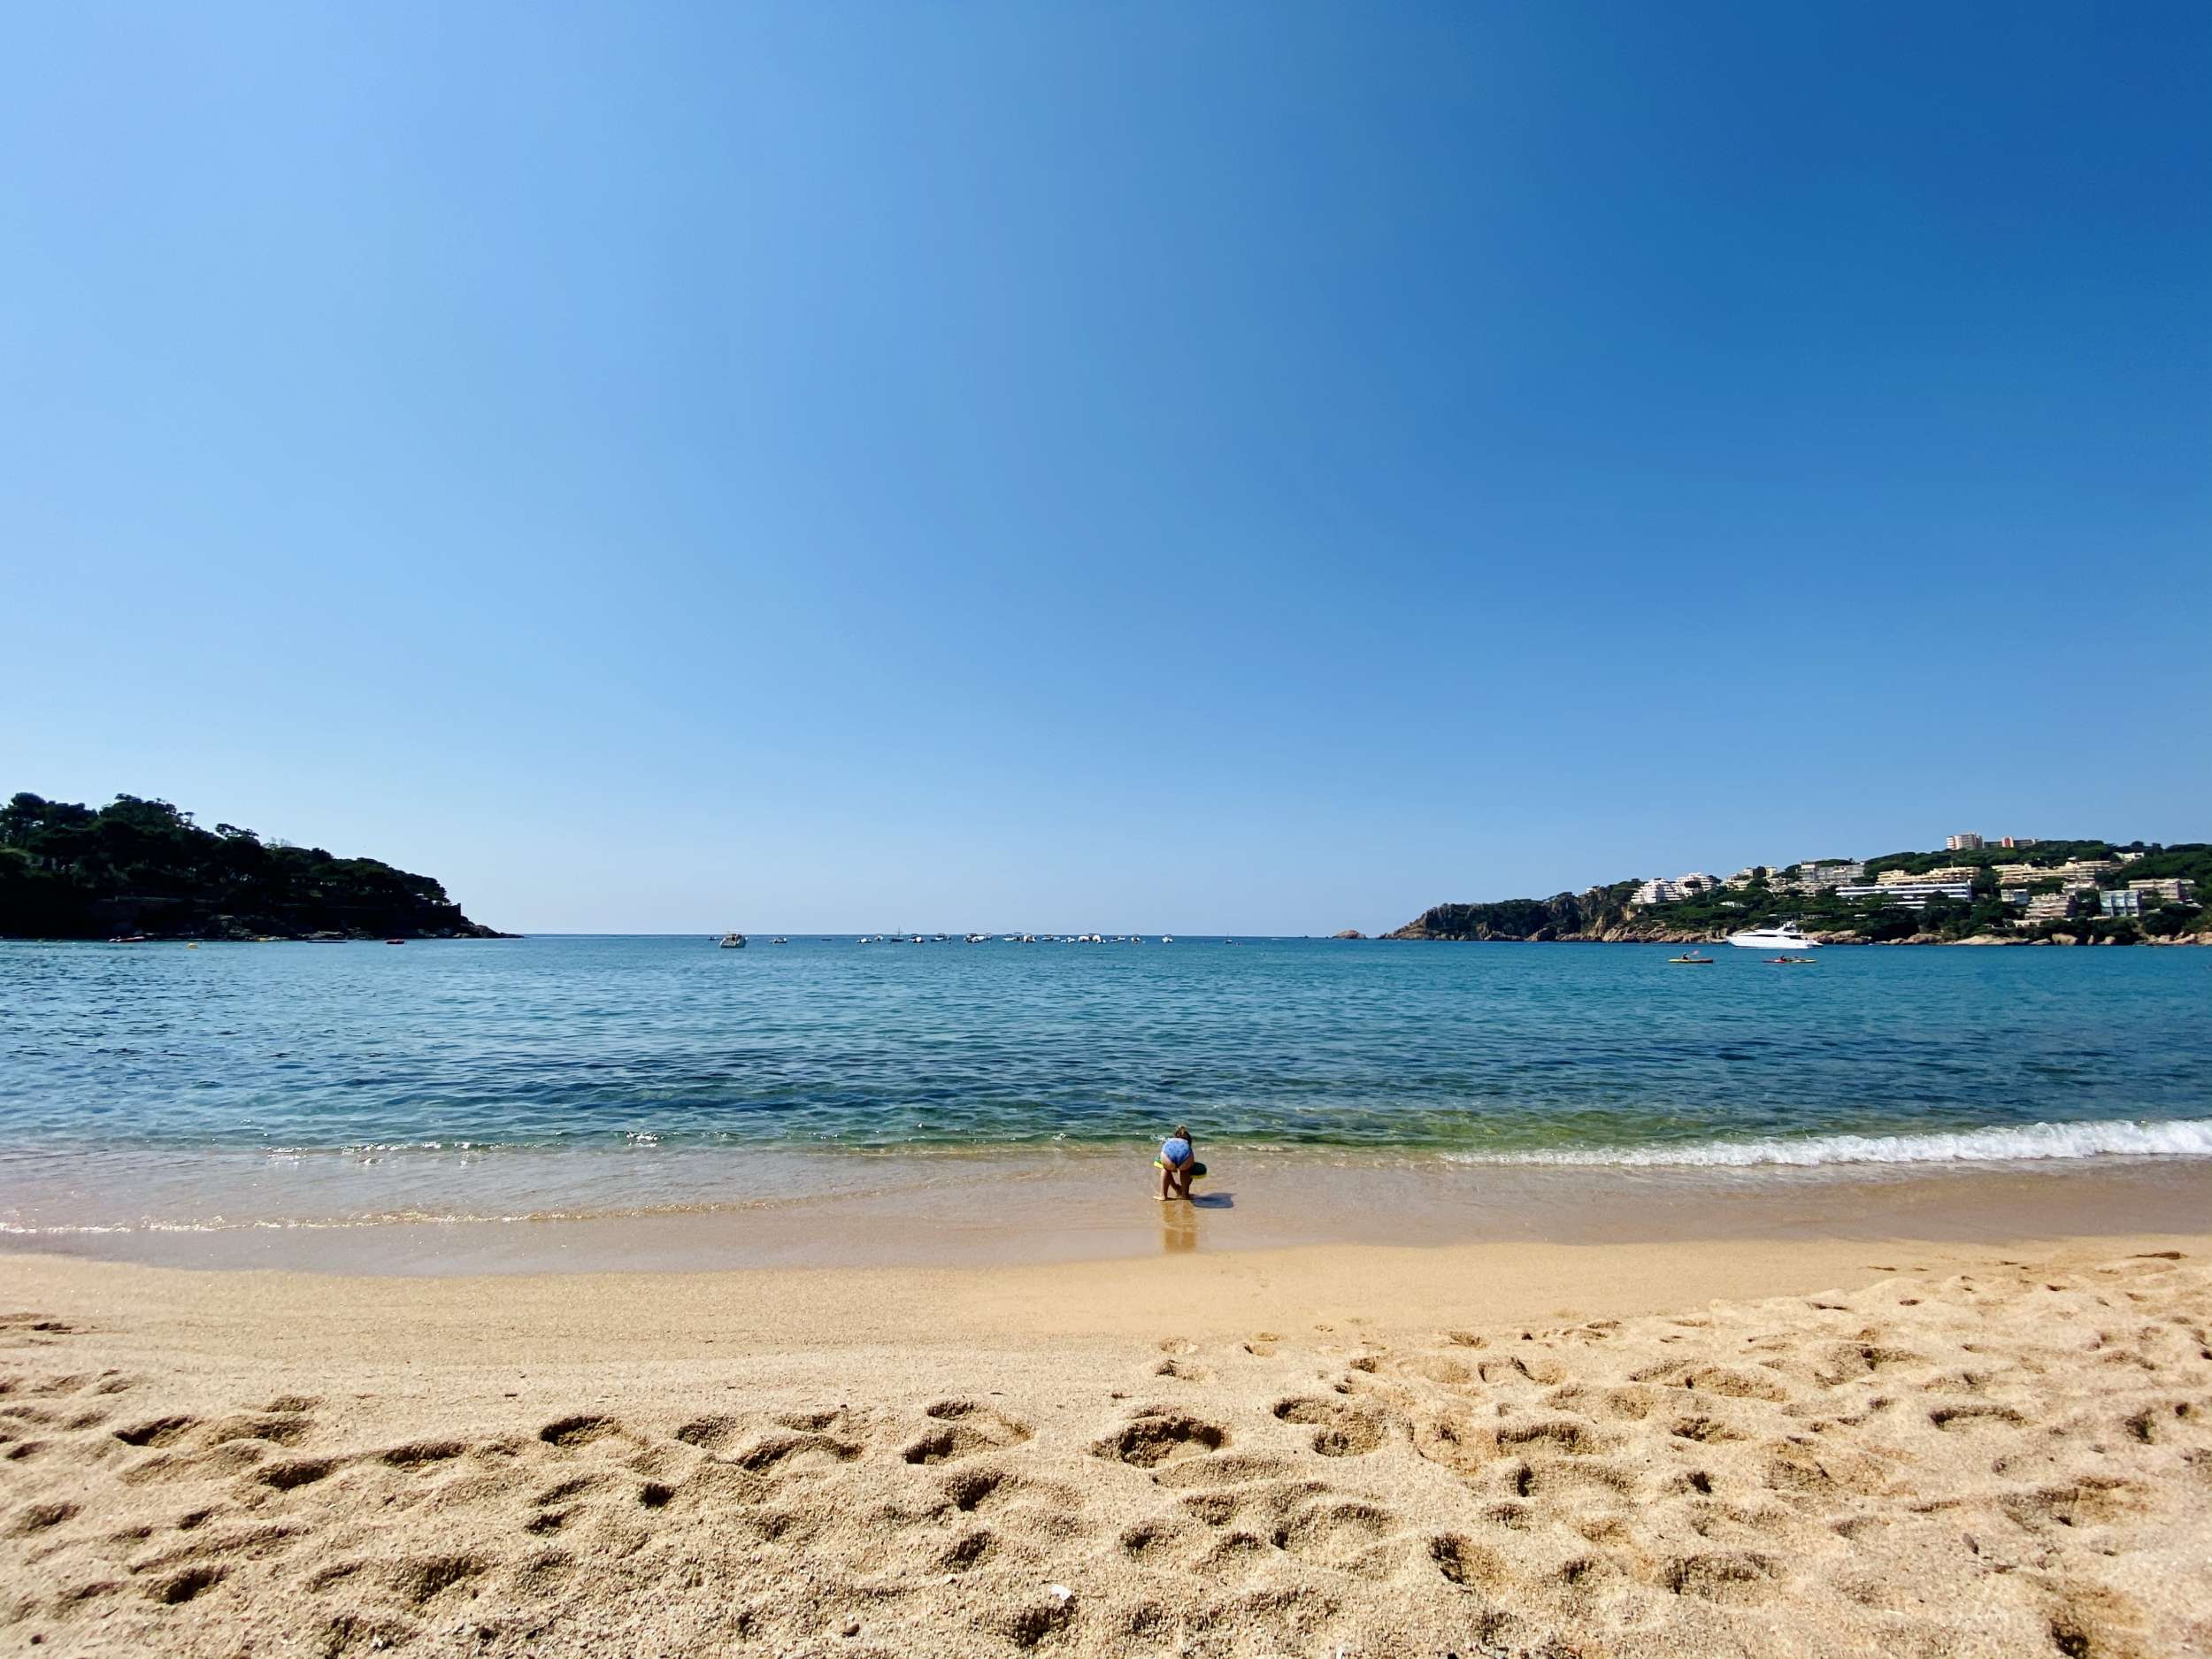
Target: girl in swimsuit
<point>1177,1157</point>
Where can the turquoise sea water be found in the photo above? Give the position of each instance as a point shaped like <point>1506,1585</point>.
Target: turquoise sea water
<point>599,1073</point>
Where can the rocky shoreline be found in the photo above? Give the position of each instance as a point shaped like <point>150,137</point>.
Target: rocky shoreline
<point>1415,931</point>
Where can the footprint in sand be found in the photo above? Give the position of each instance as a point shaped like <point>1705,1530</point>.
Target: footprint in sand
<point>39,1517</point>
<point>1164,1539</point>
<point>1467,1565</point>
<point>1340,1430</point>
<point>1183,1370</point>
<point>966,1427</point>
<point>581,1430</point>
<point>970,1490</point>
<point>1340,1532</point>
<point>156,1431</point>
<point>1160,1435</point>
<point>1729,1576</point>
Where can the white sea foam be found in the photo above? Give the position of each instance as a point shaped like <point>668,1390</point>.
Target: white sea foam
<point>2177,1137</point>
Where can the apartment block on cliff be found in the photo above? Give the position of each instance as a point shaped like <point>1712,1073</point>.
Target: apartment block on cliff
<point>1662,891</point>
<point>1816,877</point>
<point>1951,874</point>
<point>2168,889</point>
<point>1910,896</point>
<point>2075,873</point>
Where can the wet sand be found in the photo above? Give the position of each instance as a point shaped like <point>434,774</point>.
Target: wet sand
<point>1913,1444</point>
<point>942,1210</point>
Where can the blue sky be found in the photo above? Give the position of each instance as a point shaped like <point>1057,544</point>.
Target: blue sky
<point>1265,467</point>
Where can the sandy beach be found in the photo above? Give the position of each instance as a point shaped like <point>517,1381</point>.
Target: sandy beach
<point>1798,1446</point>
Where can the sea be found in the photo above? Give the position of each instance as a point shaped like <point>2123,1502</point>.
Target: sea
<point>154,1089</point>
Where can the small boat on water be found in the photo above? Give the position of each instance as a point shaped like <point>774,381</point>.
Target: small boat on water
<point>1691,961</point>
<point>780,941</point>
<point>1792,962</point>
<point>733,942</point>
<point>1785,938</point>
<point>394,941</point>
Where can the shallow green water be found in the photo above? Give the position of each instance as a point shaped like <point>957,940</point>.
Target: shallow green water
<point>131,1077</point>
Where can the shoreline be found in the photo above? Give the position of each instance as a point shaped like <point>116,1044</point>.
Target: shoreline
<point>1812,941</point>
<point>982,1210</point>
<point>1394,936</point>
<point>1825,1448</point>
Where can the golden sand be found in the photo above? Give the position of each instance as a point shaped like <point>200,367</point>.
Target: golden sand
<point>1795,1448</point>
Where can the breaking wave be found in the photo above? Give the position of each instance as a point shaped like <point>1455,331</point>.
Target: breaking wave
<point>2179,1137</point>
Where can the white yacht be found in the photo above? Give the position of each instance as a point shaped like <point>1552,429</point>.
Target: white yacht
<point>733,942</point>
<point>1784,937</point>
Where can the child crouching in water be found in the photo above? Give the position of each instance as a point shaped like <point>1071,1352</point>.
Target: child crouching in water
<point>1179,1162</point>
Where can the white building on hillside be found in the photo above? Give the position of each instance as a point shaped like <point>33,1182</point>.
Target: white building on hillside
<point>2171,890</point>
<point>2075,873</point>
<point>1809,877</point>
<point>1902,877</point>
<point>1911,894</point>
<point>1662,891</point>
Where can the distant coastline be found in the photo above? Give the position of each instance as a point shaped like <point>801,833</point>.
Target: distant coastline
<point>2026,893</point>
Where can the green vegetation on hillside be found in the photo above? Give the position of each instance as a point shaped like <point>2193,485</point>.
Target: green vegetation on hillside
<point>67,872</point>
<point>1563,915</point>
<point>1605,911</point>
<point>1990,857</point>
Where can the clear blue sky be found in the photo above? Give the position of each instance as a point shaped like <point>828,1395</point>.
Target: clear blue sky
<point>1265,467</point>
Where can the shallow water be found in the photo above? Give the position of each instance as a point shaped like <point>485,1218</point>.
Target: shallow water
<point>237,1084</point>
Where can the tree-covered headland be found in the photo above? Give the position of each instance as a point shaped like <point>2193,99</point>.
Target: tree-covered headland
<point>136,866</point>
<point>1607,912</point>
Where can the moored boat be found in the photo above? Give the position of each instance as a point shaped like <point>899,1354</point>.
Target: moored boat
<point>1784,937</point>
